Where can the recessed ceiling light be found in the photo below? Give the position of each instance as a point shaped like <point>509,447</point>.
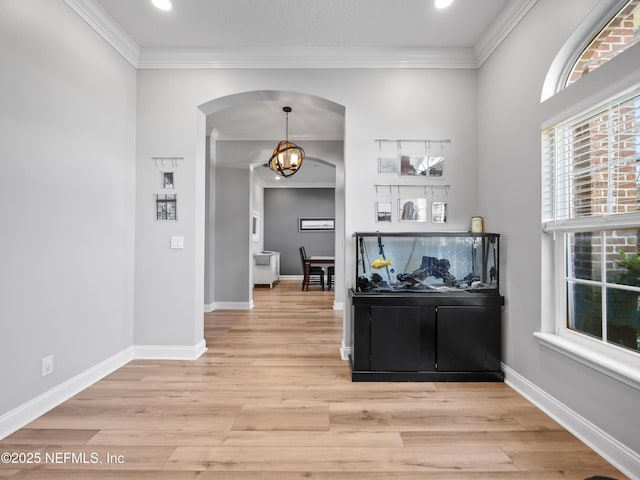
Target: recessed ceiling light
<point>277,177</point>
<point>162,4</point>
<point>443,3</point>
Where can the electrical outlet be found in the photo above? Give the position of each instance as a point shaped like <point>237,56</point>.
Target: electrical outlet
<point>47,365</point>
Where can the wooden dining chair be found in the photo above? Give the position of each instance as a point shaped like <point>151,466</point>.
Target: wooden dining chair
<point>330,275</point>
<point>316,274</point>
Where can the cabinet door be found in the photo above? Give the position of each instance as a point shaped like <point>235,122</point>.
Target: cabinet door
<point>395,338</point>
<point>361,337</point>
<point>468,339</point>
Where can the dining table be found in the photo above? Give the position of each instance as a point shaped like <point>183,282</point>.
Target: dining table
<point>324,260</point>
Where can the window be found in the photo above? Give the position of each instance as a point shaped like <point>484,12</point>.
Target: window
<point>619,34</point>
<point>591,167</point>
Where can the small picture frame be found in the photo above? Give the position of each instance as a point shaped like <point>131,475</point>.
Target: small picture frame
<point>438,212</point>
<point>436,167</point>
<point>255,227</point>
<point>383,211</point>
<point>316,224</point>
<point>166,206</point>
<point>412,209</point>
<point>421,165</point>
<point>387,165</point>
<point>167,180</point>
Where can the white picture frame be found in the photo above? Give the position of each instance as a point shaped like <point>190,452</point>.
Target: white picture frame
<point>387,165</point>
<point>428,166</point>
<point>383,211</point>
<point>439,212</point>
<point>412,209</point>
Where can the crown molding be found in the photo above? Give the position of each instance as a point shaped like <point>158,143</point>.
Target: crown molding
<point>300,57</point>
<point>500,28</point>
<point>104,24</point>
<point>303,57</point>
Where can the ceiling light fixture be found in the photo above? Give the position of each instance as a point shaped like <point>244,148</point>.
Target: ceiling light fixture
<point>162,4</point>
<point>287,156</point>
<point>443,3</point>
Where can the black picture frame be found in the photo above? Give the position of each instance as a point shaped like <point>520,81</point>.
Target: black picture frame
<point>166,206</point>
<point>316,224</point>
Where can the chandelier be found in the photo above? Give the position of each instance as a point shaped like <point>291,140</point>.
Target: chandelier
<point>287,156</point>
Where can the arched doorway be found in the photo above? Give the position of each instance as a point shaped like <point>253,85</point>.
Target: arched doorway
<point>254,121</point>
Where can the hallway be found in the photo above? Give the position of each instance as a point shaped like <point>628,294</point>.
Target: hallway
<point>272,400</point>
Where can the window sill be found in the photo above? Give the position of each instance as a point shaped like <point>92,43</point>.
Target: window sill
<point>617,368</point>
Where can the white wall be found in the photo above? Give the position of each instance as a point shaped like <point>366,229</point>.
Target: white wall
<point>379,104</point>
<point>510,119</point>
<point>169,283</point>
<point>67,142</point>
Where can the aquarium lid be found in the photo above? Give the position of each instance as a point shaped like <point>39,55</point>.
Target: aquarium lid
<point>425,234</point>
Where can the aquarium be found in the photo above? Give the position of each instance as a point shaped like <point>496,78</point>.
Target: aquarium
<point>427,262</point>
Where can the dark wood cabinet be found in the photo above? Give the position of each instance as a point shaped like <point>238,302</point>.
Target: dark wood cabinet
<point>426,337</point>
<point>392,326</point>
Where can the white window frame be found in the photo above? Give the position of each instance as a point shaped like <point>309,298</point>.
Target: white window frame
<point>607,18</point>
<point>563,63</point>
<point>608,358</point>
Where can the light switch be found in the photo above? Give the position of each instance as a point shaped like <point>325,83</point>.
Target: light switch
<point>177,242</point>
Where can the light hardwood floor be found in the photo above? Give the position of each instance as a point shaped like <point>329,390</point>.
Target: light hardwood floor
<point>272,400</point>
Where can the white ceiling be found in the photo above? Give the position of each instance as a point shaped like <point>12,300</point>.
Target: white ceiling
<point>300,34</point>
<point>304,23</point>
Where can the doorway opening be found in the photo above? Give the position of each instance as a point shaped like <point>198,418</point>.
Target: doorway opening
<point>242,130</point>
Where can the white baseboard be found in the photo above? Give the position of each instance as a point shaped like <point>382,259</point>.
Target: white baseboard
<point>26,413</point>
<point>291,277</point>
<point>169,352</point>
<point>345,352</point>
<point>247,306</point>
<point>618,454</point>
<point>232,306</point>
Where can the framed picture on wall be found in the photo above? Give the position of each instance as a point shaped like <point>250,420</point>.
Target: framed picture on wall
<point>438,212</point>
<point>316,224</point>
<point>387,165</point>
<point>412,209</point>
<point>166,206</point>
<point>167,180</point>
<point>422,165</point>
<point>383,211</point>
<point>255,226</point>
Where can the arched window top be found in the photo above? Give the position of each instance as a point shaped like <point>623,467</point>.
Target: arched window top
<point>619,34</point>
